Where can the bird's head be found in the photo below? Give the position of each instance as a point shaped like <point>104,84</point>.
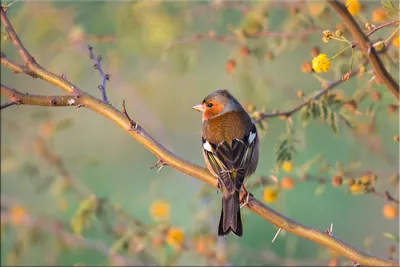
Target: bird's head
<point>217,103</point>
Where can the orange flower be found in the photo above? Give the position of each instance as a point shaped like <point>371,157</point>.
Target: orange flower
<point>230,65</point>
<point>160,210</point>
<point>18,214</point>
<point>175,238</point>
<point>379,15</point>
<point>390,211</point>
<point>353,6</point>
<point>316,8</point>
<point>287,183</point>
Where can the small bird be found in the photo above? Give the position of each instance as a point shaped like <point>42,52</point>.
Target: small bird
<point>230,149</point>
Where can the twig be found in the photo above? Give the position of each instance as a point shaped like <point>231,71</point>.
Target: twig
<point>104,77</point>
<point>16,68</point>
<point>380,71</point>
<point>234,38</point>
<point>191,169</point>
<point>290,112</point>
<point>7,104</point>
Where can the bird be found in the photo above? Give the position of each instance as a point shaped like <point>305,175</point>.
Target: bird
<point>230,147</point>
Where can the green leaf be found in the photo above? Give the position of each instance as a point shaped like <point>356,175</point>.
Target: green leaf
<point>305,115</point>
<point>394,237</point>
<point>334,123</point>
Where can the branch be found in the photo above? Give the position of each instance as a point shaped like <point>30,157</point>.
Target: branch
<point>234,38</point>
<point>16,68</point>
<point>384,25</point>
<point>18,98</point>
<point>104,77</point>
<point>191,169</point>
<point>7,104</point>
<point>365,44</point>
<point>290,112</point>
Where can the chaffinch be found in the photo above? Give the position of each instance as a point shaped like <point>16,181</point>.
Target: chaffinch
<point>230,149</point>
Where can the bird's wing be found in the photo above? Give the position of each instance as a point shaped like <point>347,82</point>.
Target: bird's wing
<point>231,162</point>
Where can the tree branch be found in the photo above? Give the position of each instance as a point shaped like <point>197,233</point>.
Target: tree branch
<point>380,71</point>
<point>191,169</point>
<point>18,98</point>
<point>104,77</point>
<point>290,112</point>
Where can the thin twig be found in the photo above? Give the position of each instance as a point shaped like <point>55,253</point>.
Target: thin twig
<point>290,112</point>
<point>104,77</point>
<point>8,104</point>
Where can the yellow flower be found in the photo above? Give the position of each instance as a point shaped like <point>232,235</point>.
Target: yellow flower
<point>270,194</point>
<point>357,188</point>
<point>353,6</point>
<point>160,210</point>
<point>287,166</point>
<point>396,41</point>
<point>321,63</point>
<point>175,238</point>
<point>18,214</point>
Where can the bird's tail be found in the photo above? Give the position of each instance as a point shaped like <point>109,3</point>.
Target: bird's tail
<point>230,220</point>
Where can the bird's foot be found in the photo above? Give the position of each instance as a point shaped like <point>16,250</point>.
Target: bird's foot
<point>245,197</point>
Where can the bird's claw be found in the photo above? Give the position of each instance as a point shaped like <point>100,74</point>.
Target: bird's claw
<point>245,199</point>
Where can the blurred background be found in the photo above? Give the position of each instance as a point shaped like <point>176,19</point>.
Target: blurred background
<point>79,174</point>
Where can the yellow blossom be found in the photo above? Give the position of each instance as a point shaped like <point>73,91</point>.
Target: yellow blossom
<point>270,194</point>
<point>396,41</point>
<point>287,166</point>
<point>321,63</point>
<point>175,238</point>
<point>357,188</point>
<point>160,210</point>
<point>353,6</point>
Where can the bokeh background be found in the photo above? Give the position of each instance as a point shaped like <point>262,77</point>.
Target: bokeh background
<point>162,68</point>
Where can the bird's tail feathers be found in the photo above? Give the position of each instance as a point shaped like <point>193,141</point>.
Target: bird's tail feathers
<point>230,220</point>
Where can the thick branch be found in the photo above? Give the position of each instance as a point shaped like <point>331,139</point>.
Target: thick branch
<point>364,42</point>
<point>194,170</point>
<point>19,98</point>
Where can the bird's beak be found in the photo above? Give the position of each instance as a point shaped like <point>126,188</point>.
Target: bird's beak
<point>199,107</point>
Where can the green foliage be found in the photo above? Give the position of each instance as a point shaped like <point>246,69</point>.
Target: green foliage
<point>285,148</point>
<point>325,108</point>
<point>391,236</point>
<point>390,8</point>
<point>84,215</point>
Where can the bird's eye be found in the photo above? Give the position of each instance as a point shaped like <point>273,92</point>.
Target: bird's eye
<point>209,105</point>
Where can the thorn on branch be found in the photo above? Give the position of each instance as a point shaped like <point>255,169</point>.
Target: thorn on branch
<point>133,125</point>
<point>159,164</point>
<point>329,231</point>
<point>276,235</point>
